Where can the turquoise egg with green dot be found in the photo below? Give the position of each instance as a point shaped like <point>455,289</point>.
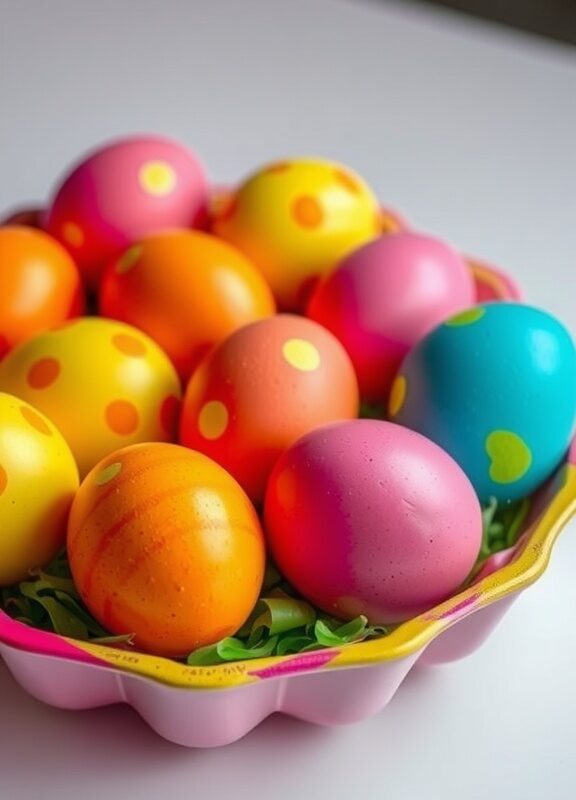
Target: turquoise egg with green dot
<point>495,386</point>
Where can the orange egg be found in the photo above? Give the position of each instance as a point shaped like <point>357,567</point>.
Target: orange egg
<point>187,290</point>
<point>39,285</point>
<point>261,389</point>
<point>164,544</point>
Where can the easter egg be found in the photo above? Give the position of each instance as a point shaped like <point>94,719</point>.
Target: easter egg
<point>30,216</point>
<point>367,517</point>
<point>262,388</point>
<point>296,219</point>
<point>164,544</point>
<point>385,296</point>
<point>187,290</point>
<point>38,479</point>
<point>39,285</point>
<point>122,191</point>
<point>495,386</point>
<point>103,383</point>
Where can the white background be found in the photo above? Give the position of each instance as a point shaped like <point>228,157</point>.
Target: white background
<point>471,131</point>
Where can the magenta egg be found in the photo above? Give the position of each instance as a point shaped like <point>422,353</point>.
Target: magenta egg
<point>121,192</point>
<point>385,297</point>
<point>367,517</point>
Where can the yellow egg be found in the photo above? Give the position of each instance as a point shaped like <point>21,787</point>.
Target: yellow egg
<point>103,383</point>
<point>295,220</point>
<point>38,480</point>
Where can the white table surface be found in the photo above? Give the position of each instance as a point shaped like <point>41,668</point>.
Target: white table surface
<point>471,131</point>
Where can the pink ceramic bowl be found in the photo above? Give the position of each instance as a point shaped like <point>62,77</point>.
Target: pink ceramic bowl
<point>210,706</point>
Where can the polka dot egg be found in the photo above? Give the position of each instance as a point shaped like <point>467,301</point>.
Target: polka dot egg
<point>262,388</point>
<point>121,192</point>
<point>295,220</point>
<point>103,383</point>
<point>495,386</point>
<point>38,479</point>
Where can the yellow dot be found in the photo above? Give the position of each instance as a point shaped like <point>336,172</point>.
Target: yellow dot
<point>128,259</point>
<point>157,178</point>
<point>108,473</point>
<point>397,395</point>
<point>73,234</point>
<point>301,355</point>
<point>213,419</point>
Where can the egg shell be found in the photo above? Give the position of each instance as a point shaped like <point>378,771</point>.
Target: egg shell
<point>103,383</point>
<point>262,388</point>
<point>163,543</point>
<point>386,296</point>
<point>38,479</point>
<point>124,190</point>
<point>31,216</point>
<point>295,219</point>
<point>39,285</point>
<point>187,290</point>
<point>495,386</point>
<point>367,517</point>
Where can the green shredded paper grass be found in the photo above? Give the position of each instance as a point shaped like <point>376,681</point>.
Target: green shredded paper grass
<point>281,623</point>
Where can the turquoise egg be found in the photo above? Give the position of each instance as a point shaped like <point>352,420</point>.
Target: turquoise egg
<point>495,386</point>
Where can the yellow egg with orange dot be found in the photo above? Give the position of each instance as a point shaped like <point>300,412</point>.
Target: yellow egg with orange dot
<point>295,220</point>
<point>164,544</point>
<point>104,384</point>
<point>262,388</point>
<point>38,479</point>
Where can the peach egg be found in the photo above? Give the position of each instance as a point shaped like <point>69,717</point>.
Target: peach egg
<point>103,383</point>
<point>295,220</point>
<point>187,290</point>
<point>122,191</point>
<point>38,479</point>
<point>263,387</point>
<point>164,544</point>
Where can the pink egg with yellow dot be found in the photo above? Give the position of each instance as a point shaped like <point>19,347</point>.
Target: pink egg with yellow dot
<point>103,383</point>
<point>367,517</point>
<point>38,480</point>
<point>295,219</point>
<point>263,387</point>
<point>122,191</point>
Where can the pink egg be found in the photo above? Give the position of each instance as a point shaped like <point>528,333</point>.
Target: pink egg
<point>385,297</point>
<point>367,517</point>
<point>121,192</point>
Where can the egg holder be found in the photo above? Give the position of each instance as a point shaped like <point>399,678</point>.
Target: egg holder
<point>213,706</point>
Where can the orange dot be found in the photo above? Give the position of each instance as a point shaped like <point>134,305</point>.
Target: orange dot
<point>387,224</point>
<point>169,414</point>
<point>347,180</point>
<point>3,479</point>
<point>122,417</point>
<point>277,166</point>
<point>33,418</point>
<point>307,212</point>
<point>128,345</point>
<point>43,373</point>
<point>73,234</point>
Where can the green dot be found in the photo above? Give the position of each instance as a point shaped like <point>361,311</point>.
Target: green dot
<point>108,473</point>
<point>510,456</point>
<point>468,317</point>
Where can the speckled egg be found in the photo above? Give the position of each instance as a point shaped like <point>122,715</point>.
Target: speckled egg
<point>495,386</point>
<point>103,383</point>
<point>122,191</point>
<point>263,387</point>
<point>38,479</point>
<point>295,219</point>
<point>367,517</point>
<point>164,544</point>
<point>386,296</point>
